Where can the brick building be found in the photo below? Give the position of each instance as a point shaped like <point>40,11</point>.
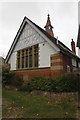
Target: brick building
<point>35,51</point>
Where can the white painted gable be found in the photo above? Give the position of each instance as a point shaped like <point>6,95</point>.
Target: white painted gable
<point>28,37</point>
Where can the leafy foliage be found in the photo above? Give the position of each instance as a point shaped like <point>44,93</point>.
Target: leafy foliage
<point>68,83</point>
<point>65,83</point>
<point>10,78</point>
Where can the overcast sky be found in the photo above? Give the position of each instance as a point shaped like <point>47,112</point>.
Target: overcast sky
<point>63,15</point>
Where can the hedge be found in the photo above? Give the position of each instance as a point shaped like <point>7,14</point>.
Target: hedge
<point>68,82</point>
<point>65,83</point>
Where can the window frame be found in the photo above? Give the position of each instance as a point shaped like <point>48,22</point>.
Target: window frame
<point>28,58</point>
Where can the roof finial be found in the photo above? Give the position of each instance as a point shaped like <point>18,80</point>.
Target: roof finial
<point>48,27</point>
<point>48,15</point>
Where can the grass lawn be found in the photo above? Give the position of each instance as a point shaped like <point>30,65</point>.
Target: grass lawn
<point>24,105</point>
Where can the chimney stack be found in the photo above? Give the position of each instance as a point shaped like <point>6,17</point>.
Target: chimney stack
<point>73,46</point>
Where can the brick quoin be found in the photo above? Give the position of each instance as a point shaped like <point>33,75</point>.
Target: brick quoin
<point>56,56</point>
<point>57,63</point>
<point>65,61</point>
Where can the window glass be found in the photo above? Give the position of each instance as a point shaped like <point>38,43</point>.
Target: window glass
<point>36,55</point>
<point>26,58</point>
<point>30,57</point>
<point>18,59</point>
<point>22,58</point>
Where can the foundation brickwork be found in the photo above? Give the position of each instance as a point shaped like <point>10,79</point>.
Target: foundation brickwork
<point>46,72</point>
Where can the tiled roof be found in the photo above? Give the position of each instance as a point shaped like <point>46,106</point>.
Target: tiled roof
<point>58,43</point>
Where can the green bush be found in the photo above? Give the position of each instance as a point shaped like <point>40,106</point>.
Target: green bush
<point>39,83</point>
<point>65,83</point>
<point>50,85</point>
<point>5,75</point>
<point>10,78</point>
<point>36,83</point>
<point>15,80</point>
<point>68,83</point>
<point>26,87</point>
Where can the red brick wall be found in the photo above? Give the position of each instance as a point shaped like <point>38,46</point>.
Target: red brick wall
<point>47,72</point>
<point>60,62</point>
<point>57,62</point>
<point>67,61</point>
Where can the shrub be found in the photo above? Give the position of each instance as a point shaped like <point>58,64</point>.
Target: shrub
<point>36,83</point>
<point>26,87</point>
<point>65,83</point>
<point>15,80</point>
<point>39,83</point>
<point>68,83</point>
<point>50,85</point>
<point>5,75</point>
<point>10,78</point>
